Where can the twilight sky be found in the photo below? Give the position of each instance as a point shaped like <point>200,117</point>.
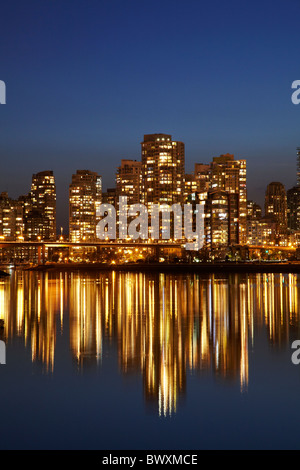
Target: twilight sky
<point>86,79</point>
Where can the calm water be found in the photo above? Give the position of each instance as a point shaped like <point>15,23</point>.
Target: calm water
<point>139,361</point>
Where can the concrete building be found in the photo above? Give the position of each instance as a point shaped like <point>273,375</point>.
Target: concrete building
<point>293,208</point>
<point>129,181</point>
<point>43,205</point>
<point>85,195</point>
<point>276,207</point>
<point>163,170</point>
<point>228,174</point>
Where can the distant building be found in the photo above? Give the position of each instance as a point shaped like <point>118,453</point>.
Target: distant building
<point>228,174</point>
<point>11,218</point>
<point>190,186</point>
<point>221,185</point>
<point>197,184</point>
<point>85,195</point>
<point>276,207</point>
<point>110,197</point>
<point>261,232</point>
<point>129,181</point>
<point>254,211</point>
<point>163,172</point>
<point>36,226</point>
<point>293,208</point>
<point>43,206</point>
<point>163,163</point>
<point>31,217</point>
<point>203,177</point>
<point>221,219</point>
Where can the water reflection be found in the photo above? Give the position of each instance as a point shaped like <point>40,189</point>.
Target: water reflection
<point>163,326</point>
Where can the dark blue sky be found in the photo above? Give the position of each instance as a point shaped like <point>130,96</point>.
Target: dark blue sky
<point>86,79</point>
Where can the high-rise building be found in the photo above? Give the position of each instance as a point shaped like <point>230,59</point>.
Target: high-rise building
<point>261,231</point>
<point>43,205</point>
<point>36,226</point>
<point>85,194</point>
<point>254,210</point>
<point>129,181</point>
<point>163,172</point>
<point>293,208</point>
<point>110,197</point>
<point>228,174</point>
<point>276,206</point>
<point>221,219</point>
<point>203,178</point>
<point>11,218</point>
<point>163,163</point>
<point>190,186</point>
<point>197,185</point>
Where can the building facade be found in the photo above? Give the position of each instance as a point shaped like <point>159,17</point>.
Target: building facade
<point>85,194</point>
<point>43,206</point>
<point>221,219</point>
<point>11,218</point>
<point>129,181</point>
<point>163,170</point>
<point>293,208</point>
<point>228,174</point>
<point>276,207</point>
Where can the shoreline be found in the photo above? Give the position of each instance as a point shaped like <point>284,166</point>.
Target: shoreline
<point>222,267</point>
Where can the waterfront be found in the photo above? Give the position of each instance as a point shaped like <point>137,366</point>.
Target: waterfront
<point>128,360</point>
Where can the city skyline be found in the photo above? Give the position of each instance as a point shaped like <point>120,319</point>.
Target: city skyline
<point>149,227</point>
<point>63,201</point>
<point>109,180</point>
<point>221,216</point>
<point>188,72</point>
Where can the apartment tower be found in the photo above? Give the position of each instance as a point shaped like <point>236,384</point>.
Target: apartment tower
<point>85,194</point>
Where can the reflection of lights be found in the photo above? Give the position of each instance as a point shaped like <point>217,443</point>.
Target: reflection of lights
<point>162,326</point>
<point>20,306</point>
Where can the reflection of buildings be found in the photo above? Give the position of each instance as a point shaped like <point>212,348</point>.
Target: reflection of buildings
<point>29,305</point>
<point>163,326</point>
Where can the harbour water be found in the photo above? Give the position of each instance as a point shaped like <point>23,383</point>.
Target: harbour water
<point>119,360</point>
